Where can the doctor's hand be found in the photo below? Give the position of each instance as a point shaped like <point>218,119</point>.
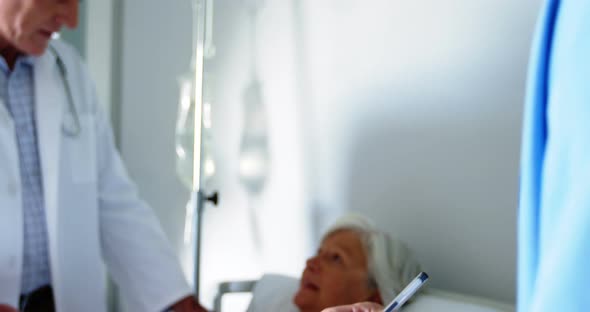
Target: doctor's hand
<point>186,304</point>
<point>357,307</point>
<point>6,308</point>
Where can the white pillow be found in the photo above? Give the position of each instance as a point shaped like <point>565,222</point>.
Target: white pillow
<point>274,292</point>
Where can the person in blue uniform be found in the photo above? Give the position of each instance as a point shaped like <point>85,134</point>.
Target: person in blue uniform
<point>554,216</point>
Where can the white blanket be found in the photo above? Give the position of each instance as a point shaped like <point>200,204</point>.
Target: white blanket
<point>275,293</point>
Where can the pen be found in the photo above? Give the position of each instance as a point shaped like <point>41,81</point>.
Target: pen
<point>406,293</point>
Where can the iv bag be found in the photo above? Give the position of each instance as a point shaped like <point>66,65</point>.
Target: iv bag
<point>185,135</point>
<point>254,154</point>
<point>185,132</point>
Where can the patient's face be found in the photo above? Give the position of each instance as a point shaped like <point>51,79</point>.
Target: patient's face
<point>336,275</point>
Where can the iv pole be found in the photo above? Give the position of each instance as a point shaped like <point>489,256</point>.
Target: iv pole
<point>198,196</point>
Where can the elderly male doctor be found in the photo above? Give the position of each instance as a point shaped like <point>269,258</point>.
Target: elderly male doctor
<point>67,206</point>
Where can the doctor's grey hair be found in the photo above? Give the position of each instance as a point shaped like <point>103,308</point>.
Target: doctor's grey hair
<point>391,264</point>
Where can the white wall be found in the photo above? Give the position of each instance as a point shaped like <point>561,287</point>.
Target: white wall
<point>100,45</point>
<point>407,110</point>
<point>151,60</point>
<point>156,50</point>
<point>419,104</point>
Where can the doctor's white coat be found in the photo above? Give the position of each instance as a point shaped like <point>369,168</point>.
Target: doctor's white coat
<point>94,215</point>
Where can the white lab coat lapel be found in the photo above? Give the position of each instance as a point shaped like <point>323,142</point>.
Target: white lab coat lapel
<point>7,138</point>
<point>50,101</point>
<point>11,214</point>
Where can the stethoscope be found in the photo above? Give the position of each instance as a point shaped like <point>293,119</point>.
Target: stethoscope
<point>71,122</point>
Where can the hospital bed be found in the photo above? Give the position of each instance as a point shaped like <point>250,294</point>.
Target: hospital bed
<point>271,291</point>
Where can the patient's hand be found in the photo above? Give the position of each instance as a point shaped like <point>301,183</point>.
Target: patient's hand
<point>5,308</point>
<point>357,307</point>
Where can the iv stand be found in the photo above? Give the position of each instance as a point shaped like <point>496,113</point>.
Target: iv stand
<point>198,195</point>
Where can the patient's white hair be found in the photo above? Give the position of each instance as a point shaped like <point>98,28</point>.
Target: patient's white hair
<point>391,264</point>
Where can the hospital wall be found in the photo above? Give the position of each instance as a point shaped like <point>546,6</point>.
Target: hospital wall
<point>406,111</point>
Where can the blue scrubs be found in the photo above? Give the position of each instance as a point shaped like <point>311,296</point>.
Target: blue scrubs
<point>554,216</point>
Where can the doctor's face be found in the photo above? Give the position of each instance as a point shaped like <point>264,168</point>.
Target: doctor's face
<point>27,25</point>
<point>336,275</point>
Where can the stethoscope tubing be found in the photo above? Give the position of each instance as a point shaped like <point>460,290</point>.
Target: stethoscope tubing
<point>71,124</point>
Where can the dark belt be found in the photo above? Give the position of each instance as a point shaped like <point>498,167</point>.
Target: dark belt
<point>38,300</point>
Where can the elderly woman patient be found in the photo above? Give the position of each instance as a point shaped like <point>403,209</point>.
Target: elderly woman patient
<point>355,262</point>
